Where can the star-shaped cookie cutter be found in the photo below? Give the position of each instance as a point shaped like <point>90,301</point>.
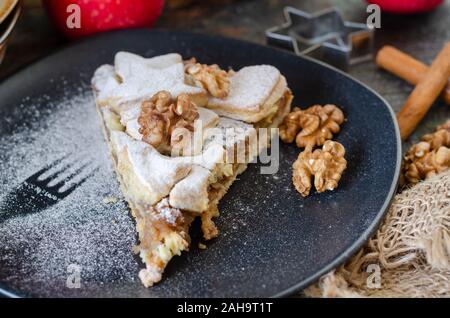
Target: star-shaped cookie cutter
<point>323,35</point>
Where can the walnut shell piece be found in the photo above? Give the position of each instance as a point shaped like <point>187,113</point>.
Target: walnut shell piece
<point>326,165</point>
<point>161,116</point>
<point>428,157</point>
<point>209,77</point>
<point>313,126</point>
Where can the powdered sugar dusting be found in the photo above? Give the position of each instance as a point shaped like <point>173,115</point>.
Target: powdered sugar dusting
<point>250,86</point>
<point>141,78</point>
<point>81,230</point>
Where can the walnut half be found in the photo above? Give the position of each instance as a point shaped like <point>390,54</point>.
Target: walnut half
<point>326,165</point>
<point>209,77</point>
<point>162,119</point>
<point>428,157</point>
<point>311,127</point>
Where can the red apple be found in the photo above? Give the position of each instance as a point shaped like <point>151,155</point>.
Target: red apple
<point>406,6</point>
<point>102,15</point>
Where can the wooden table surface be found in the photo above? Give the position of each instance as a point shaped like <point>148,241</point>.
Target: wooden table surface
<point>422,36</point>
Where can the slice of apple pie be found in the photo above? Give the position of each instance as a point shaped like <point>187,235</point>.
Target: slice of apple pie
<point>175,154</point>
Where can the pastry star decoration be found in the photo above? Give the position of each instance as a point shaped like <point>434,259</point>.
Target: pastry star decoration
<point>139,80</point>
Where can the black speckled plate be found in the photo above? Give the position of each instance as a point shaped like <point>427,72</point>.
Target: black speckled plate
<point>273,242</point>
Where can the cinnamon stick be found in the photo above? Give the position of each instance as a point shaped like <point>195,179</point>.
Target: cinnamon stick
<point>425,93</point>
<point>406,67</point>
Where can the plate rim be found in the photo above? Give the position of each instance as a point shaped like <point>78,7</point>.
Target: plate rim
<point>357,244</point>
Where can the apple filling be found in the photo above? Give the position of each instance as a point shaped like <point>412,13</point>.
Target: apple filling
<point>276,112</point>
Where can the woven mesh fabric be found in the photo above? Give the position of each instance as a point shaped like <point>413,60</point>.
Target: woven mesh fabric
<point>410,251</point>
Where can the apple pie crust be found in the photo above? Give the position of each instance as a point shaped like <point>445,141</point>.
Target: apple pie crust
<point>165,193</point>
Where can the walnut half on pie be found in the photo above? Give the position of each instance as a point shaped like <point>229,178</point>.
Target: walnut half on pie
<point>166,189</point>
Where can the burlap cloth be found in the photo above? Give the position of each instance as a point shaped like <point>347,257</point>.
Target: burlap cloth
<point>410,251</point>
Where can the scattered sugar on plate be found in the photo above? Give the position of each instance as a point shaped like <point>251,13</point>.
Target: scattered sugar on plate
<point>110,200</point>
<point>38,251</point>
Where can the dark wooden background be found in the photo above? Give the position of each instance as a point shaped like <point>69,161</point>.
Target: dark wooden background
<point>419,35</point>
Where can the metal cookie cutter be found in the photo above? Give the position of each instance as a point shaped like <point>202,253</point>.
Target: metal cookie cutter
<point>323,35</point>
